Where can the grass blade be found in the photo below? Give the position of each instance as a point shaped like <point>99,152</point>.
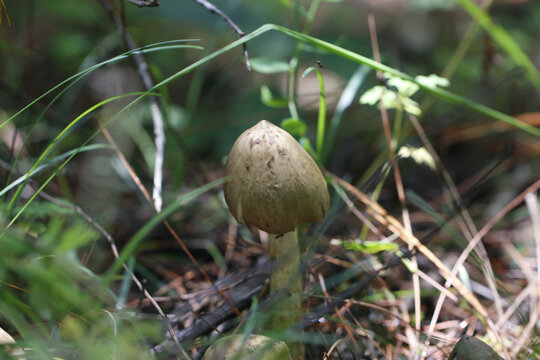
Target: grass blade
<point>505,41</point>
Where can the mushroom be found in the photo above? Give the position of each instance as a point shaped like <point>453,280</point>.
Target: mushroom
<point>471,348</point>
<point>254,347</point>
<point>5,338</point>
<point>275,185</point>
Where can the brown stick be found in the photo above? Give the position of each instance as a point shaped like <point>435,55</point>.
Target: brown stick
<point>215,10</point>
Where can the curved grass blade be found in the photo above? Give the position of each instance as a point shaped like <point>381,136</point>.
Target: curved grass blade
<point>345,100</point>
<point>505,41</point>
<point>47,150</point>
<point>80,75</point>
<point>69,82</point>
<point>321,122</point>
<point>443,94</point>
<point>51,162</point>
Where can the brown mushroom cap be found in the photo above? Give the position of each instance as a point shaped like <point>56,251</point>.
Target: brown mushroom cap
<point>275,184</point>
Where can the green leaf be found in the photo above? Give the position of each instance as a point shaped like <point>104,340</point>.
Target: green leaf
<point>411,106</point>
<point>372,96</point>
<point>371,247</point>
<point>390,99</point>
<point>404,87</point>
<point>352,56</point>
<point>267,65</point>
<point>347,97</point>
<point>503,39</point>
<point>75,237</point>
<point>295,127</point>
<point>394,99</point>
<point>268,99</point>
<point>419,155</point>
<point>432,81</point>
<point>38,168</point>
<point>286,3</point>
<point>307,71</point>
<point>304,141</point>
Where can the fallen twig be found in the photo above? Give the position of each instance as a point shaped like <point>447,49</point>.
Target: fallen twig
<point>215,10</point>
<point>157,116</point>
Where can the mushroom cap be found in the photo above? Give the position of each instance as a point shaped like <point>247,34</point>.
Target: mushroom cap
<point>471,348</point>
<point>274,184</point>
<point>5,338</point>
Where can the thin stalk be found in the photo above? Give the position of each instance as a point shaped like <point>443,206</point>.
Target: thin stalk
<point>321,123</point>
<point>503,39</point>
<point>295,61</point>
<point>293,74</point>
<point>285,279</point>
<point>310,16</point>
<point>392,141</point>
<point>458,55</point>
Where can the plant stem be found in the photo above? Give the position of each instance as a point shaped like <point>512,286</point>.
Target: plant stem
<point>321,123</point>
<point>285,279</point>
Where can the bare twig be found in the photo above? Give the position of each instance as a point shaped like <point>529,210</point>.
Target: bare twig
<point>3,9</point>
<point>468,228</point>
<point>492,222</point>
<point>144,74</point>
<point>215,10</point>
<point>393,225</point>
<point>531,200</point>
<point>241,288</point>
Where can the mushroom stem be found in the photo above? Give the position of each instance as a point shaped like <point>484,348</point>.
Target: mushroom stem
<point>285,256</point>
<point>285,279</point>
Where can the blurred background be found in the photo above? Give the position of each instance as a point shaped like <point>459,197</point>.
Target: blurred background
<point>42,43</point>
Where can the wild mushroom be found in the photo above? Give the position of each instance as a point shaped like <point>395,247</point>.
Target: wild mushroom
<point>247,347</point>
<point>275,185</point>
<point>471,348</point>
<point>5,338</point>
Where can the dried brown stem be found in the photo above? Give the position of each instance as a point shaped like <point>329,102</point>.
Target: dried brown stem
<point>393,225</point>
<point>157,116</point>
<point>215,10</point>
<point>397,178</point>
